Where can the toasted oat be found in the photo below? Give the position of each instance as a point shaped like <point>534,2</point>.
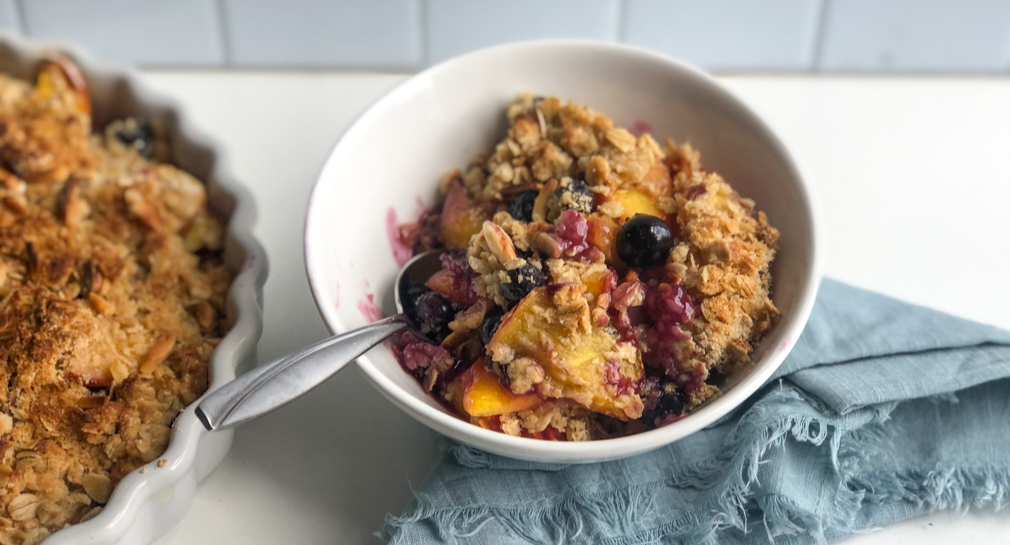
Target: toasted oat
<point>23,506</point>
<point>98,270</point>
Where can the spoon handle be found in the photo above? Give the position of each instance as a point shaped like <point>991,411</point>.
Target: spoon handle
<point>279,382</point>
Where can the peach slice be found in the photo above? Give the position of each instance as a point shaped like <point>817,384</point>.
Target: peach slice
<point>576,361</point>
<point>600,282</point>
<point>461,219</point>
<point>483,394</point>
<point>603,234</point>
<point>636,202</point>
<point>58,75</point>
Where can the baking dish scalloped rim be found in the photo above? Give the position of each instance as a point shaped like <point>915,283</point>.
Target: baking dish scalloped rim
<point>155,497</point>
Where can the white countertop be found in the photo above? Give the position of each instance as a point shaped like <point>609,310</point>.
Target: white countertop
<point>912,178</point>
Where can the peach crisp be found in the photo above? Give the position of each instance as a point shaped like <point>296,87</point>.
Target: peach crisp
<point>594,283</point>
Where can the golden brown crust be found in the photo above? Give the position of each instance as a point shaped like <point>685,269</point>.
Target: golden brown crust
<point>724,259</point>
<point>108,318</point>
<point>565,346</point>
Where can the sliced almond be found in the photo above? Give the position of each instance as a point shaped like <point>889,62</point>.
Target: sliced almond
<point>120,371</point>
<point>540,205</point>
<point>15,204</point>
<point>91,514</point>
<point>101,304</point>
<point>9,180</point>
<point>499,242</point>
<point>204,314</point>
<point>545,244</point>
<point>142,210</point>
<point>430,378</point>
<point>158,353</point>
<point>70,204</point>
<point>98,487</point>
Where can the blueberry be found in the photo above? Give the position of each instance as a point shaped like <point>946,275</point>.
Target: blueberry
<point>521,206</point>
<point>433,311</point>
<point>715,376</point>
<point>137,134</point>
<point>670,402</point>
<point>574,194</point>
<point>644,241</point>
<point>522,280</point>
<point>490,325</point>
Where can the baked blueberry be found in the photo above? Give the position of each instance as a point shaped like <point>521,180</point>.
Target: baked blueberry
<point>137,134</point>
<point>490,325</point>
<point>573,194</point>
<point>521,206</point>
<point>433,312</point>
<point>522,280</point>
<point>644,241</point>
<point>669,403</point>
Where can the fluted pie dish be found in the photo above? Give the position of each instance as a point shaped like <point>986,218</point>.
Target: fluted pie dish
<point>131,286</point>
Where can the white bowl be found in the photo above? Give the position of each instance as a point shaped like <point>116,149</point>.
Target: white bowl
<point>152,499</point>
<point>385,168</point>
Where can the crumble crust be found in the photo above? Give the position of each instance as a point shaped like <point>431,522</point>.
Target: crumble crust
<point>581,343</point>
<point>113,300</point>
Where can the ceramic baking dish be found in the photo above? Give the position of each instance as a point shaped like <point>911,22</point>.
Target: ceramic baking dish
<point>155,497</point>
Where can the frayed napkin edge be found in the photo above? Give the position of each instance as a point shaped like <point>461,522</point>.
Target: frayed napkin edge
<point>935,488</point>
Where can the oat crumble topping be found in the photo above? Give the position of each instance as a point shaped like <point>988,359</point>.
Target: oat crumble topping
<point>603,284</point>
<point>112,299</point>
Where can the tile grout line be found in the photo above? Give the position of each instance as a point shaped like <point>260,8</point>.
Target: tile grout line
<point>223,34</point>
<point>22,19</point>
<point>621,33</point>
<point>820,25</point>
<point>422,34</point>
<point>1006,51</point>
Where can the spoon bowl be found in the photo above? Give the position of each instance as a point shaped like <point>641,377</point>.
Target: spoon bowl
<point>283,380</point>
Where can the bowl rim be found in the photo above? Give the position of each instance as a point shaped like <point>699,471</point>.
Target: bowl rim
<point>556,451</point>
<point>133,510</point>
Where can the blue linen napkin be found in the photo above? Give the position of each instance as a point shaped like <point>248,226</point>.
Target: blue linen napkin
<point>883,411</point>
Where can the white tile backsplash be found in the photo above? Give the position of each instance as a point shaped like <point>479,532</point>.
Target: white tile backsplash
<point>371,33</point>
<point>727,34</point>
<point>150,32</point>
<point>458,26</point>
<point>407,35</point>
<point>10,19</point>
<point>916,35</point>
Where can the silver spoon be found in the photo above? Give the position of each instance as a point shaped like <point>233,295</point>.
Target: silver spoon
<point>281,381</point>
